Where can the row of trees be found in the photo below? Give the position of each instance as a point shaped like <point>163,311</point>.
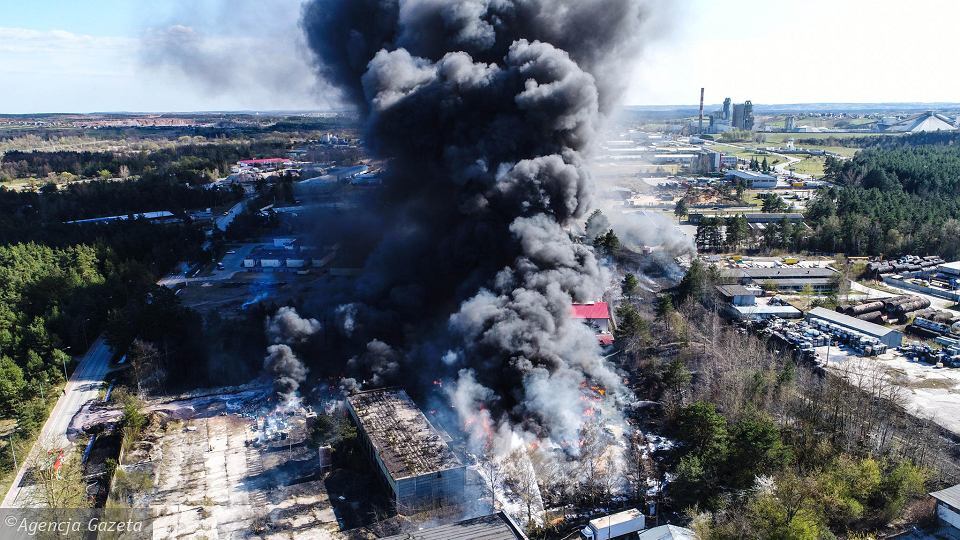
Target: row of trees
<point>733,234</point>
<point>768,447</point>
<point>189,163</point>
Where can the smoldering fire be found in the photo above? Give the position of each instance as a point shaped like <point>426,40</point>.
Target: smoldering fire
<point>485,110</point>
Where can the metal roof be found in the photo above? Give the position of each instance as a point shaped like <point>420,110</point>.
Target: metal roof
<point>493,527</point>
<point>859,325</point>
<point>927,121</point>
<point>668,532</point>
<point>813,282</point>
<point>951,496</point>
<point>595,310</point>
<point>787,273</point>
<point>737,290</point>
<point>780,311</point>
<point>773,216</point>
<point>751,175</point>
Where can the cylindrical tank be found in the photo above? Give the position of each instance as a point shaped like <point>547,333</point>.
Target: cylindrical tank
<point>873,316</point>
<point>911,306</point>
<point>865,308</point>
<point>897,300</point>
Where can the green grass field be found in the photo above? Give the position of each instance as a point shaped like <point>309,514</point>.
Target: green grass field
<point>747,155</point>
<point>812,165</point>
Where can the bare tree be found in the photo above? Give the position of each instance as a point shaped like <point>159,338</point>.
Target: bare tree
<point>58,479</point>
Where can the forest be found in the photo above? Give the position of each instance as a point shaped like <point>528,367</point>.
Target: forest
<point>899,196</point>
<point>189,163</point>
<point>62,284</point>
<point>891,199</point>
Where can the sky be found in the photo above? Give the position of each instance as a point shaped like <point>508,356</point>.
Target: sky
<point>193,55</point>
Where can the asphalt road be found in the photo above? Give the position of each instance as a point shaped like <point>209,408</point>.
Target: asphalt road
<point>84,385</point>
<point>222,222</point>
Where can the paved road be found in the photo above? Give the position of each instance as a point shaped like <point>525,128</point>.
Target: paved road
<point>83,386</point>
<point>222,222</point>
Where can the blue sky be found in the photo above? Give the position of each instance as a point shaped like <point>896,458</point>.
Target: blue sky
<point>100,55</point>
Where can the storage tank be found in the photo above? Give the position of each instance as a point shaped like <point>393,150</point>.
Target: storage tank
<point>910,306</point>
<point>865,308</point>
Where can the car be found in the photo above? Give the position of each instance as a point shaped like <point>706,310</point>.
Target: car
<point>231,251</point>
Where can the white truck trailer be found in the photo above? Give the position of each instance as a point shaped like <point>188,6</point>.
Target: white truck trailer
<point>620,526</point>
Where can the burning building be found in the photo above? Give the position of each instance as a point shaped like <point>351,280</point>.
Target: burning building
<point>414,460</point>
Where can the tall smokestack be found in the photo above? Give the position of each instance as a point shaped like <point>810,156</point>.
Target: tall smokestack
<point>700,130</point>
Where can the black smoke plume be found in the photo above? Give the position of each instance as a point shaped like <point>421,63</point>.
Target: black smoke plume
<point>485,110</point>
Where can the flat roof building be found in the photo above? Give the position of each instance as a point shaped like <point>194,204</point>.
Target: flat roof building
<point>948,506</point>
<point>414,459</point>
<point>668,532</point>
<point>752,218</point>
<point>753,180</point>
<point>887,336</point>
<point>738,295</point>
<point>786,279</point>
<point>159,215</point>
<point>497,526</point>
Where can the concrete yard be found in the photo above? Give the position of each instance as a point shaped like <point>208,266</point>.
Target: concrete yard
<point>930,392</point>
<point>212,481</point>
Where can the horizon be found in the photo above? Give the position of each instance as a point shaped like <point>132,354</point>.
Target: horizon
<point>892,105</point>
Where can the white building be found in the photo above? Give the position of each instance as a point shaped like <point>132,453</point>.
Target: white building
<point>753,180</point>
<point>668,532</point>
<point>948,506</point>
<point>928,121</point>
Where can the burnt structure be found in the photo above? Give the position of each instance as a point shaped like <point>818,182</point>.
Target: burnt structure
<point>414,460</point>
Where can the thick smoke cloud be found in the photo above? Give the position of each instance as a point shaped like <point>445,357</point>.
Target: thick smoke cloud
<point>285,328</point>
<point>287,370</point>
<point>486,110</point>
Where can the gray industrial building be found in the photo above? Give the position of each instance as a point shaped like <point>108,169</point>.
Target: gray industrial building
<point>948,508</point>
<point>414,459</point>
<point>497,526</point>
<point>753,218</point>
<point>752,179</point>
<point>887,336</point>
<point>743,115</point>
<point>785,279</point>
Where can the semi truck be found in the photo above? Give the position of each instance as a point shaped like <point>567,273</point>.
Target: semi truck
<point>624,525</point>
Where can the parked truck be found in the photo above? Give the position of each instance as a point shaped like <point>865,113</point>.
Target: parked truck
<point>620,526</point>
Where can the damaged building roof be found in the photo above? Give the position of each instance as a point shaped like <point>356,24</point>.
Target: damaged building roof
<point>406,442</point>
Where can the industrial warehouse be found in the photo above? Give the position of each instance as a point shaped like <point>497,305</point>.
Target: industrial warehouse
<point>863,331</point>
<point>414,460</point>
<point>785,279</point>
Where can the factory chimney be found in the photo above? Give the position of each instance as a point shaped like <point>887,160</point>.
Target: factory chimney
<point>700,129</point>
